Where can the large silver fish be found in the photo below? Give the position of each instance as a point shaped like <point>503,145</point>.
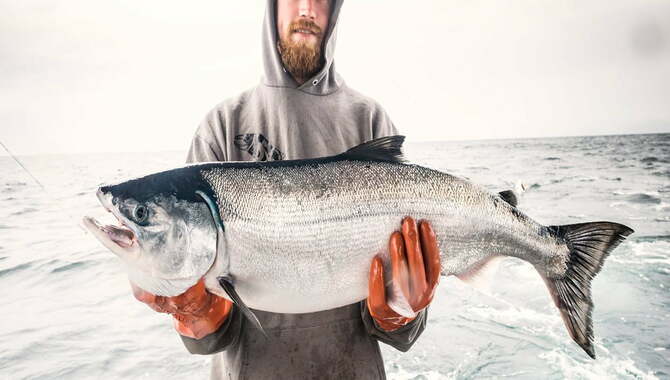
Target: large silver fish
<point>299,236</point>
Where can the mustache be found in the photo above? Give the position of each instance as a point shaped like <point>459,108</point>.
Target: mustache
<point>304,24</point>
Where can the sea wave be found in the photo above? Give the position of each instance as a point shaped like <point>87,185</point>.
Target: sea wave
<point>71,266</point>
<point>645,251</point>
<point>25,210</point>
<point>15,184</point>
<point>603,368</point>
<point>14,269</point>
<point>643,198</point>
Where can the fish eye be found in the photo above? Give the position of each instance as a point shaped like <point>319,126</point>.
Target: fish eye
<point>141,213</point>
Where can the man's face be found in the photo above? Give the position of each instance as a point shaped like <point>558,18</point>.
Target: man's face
<point>301,25</point>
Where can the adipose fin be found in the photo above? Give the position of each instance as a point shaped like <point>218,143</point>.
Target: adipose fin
<point>510,197</point>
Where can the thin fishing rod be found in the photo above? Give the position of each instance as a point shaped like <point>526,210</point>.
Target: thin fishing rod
<point>39,183</point>
<point>21,165</point>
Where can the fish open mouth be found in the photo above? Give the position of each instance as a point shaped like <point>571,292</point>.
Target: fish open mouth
<point>121,235</point>
<point>118,238</point>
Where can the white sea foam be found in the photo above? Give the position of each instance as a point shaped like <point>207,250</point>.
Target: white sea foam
<point>642,253</point>
<point>602,368</point>
<point>399,373</point>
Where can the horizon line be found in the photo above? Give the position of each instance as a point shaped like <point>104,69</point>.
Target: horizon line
<point>410,140</point>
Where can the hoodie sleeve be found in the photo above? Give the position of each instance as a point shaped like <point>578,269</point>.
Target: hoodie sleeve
<point>228,334</point>
<point>382,126</point>
<point>201,151</point>
<point>401,339</point>
<point>206,145</point>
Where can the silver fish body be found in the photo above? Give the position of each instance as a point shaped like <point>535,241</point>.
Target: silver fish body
<point>299,236</point>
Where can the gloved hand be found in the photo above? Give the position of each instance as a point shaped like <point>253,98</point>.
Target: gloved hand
<point>197,312</point>
<point>415,268</point>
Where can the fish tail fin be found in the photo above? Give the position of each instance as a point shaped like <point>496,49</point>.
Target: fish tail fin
<point>589,245</point>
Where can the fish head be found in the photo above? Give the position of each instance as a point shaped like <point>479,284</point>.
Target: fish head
<point>166,238</point>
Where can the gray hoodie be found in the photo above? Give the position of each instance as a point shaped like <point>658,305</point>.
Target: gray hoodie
<point>279,119</point>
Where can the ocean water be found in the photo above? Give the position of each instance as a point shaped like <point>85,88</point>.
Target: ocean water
<point>67,309</point>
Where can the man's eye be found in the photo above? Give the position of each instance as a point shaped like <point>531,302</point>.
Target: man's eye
<point>141,213</point>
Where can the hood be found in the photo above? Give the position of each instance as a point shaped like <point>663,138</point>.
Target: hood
<point>325,81</point>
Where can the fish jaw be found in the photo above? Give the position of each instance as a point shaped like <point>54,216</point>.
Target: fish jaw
<point>120,240</point>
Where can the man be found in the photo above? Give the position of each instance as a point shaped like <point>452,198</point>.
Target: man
<point>303,109</point>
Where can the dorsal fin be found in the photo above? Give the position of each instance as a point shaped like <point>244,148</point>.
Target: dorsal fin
<point>510,197</point>
<point>382,149</point>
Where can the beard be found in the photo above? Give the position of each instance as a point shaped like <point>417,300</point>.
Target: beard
<point>303,58</point>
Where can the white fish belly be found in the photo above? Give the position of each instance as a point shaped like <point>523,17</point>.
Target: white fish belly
<point>298,267</point>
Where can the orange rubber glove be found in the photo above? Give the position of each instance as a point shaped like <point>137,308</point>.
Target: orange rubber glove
<point>415,268</point>
<point>197,312</point>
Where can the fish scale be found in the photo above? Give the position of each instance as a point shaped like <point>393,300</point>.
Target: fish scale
<point>282,230</point>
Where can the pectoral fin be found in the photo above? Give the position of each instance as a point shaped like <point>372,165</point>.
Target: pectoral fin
<point>227,285</point>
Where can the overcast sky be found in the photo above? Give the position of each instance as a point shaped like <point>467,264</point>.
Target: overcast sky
<point>139,75</point>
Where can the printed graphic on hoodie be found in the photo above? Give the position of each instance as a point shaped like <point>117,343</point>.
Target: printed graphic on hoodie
<point>258,147</point>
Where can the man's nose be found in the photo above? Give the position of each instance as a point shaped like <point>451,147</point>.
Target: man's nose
<point>306,9</point>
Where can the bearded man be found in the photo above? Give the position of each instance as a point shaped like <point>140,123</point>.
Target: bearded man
<point>303,109</point>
